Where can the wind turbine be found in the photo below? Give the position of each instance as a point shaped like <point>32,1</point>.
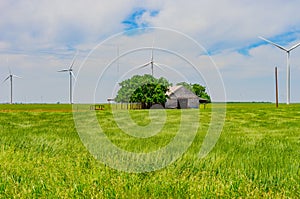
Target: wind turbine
<point>70,70</point>
<point>10,77</point>
<point>151,63</point>
<point>287,50</point>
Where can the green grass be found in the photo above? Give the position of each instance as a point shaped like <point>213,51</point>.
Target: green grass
<point>257,155</point>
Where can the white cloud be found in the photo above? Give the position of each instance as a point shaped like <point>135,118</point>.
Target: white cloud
<point>229,22</point>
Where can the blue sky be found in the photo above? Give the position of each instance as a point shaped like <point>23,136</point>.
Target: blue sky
<point>36,45</point>
<point>282,39</point>
<point>135,19</point>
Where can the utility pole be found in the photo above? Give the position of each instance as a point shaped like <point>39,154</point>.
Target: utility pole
<point>276,86</point>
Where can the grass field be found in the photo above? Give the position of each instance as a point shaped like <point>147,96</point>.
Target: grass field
<point>257,156</point>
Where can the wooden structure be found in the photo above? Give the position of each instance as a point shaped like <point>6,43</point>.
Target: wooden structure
<point>182,98</point>
<point>97,107</point>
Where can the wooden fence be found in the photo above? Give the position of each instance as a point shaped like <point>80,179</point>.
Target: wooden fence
<point>119,106</point>
<point>126,106</point>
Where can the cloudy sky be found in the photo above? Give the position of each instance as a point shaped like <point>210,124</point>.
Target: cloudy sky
<point>205,42</point>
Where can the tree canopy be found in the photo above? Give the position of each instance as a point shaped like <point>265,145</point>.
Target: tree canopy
<point>148,90</point>
<point>198,89</point>
<point>145,89</point>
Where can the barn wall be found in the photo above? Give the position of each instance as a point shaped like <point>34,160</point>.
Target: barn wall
<point>171,103</point>
<point>193,103</point>
<point>181,94</point>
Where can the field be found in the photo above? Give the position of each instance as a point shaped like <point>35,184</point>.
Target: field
<point>256,156</point>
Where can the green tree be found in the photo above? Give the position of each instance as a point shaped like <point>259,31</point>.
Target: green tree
<point>186,85</point>
<point>150,94</point>
<point>145,89</point>
<point>200,91</point>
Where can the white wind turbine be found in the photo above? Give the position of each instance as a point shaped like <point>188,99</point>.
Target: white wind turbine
<point>287,50</point>
<point>10,77</point>
<point>70,70</point>
<point>151,63</point>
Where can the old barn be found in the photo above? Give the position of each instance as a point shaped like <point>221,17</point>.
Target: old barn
<point>182,98</point>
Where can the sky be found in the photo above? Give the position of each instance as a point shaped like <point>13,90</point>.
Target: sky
<point>214,43</point>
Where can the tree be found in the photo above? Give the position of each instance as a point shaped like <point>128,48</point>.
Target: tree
<point>200,91</point>
<point>186,85</point>
<point>149,94</point>
<point>145,89</point>
<point>197,89</point>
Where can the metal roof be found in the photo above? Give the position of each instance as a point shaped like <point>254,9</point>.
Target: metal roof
<point>182,92</point>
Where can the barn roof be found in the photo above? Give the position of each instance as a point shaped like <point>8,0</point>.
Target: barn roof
<point>182,92</point>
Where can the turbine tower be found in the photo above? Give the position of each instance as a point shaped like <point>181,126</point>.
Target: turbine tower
<point>70,70</point>
<point>287,50</point>
<point>10,77</point>
<point>151,63</point>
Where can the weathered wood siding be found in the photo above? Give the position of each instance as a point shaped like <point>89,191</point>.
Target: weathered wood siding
<point>179,94</point>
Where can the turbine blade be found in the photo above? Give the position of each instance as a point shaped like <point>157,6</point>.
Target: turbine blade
<point>64,70</point>
<point>144,65</point>
<point>160,67</point>
<point>71,66</point>
<point>9,70</point>
<point>166,66</point>
<point>152,54</point>
<point>6,79</point>
<point>278,46</point>
<point>295,46</point>
<point>152,50</point>
<point>72,74</point>
<point>16,76</point>
<point>73,60</point>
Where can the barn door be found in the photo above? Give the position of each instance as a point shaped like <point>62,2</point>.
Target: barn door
<point>182,103</point>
